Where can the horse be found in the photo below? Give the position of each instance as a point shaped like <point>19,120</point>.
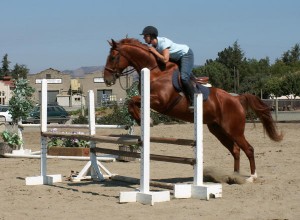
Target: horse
<point>224,114</point>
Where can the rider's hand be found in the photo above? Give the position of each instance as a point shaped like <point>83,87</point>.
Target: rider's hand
<point>152,50</point>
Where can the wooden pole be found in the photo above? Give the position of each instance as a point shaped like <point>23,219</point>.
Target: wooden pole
<point>122,139</point>
<point>137,181</point>
<point>104,139</point>
<point>156,157</point>
<point>83,126</point>
<point>162,140</point>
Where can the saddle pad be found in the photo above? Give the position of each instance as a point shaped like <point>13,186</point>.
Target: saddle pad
<point>198,89</point>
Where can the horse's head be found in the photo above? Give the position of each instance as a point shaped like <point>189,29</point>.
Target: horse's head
<point>127,52</point>
<point>115,64</point>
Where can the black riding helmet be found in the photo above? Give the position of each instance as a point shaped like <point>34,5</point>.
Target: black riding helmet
<point>152,31</point>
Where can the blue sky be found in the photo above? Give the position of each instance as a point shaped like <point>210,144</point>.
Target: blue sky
<point>68,34</point>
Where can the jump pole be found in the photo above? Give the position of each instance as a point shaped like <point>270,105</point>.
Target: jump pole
<point>144,195</point>
<point>198,189</point>
<point>44,179</point>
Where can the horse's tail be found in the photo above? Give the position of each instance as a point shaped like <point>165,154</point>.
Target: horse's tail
<point>263,112</point>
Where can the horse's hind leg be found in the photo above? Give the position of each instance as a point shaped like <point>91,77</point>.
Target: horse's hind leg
<point>220,134</point>
<point>235,142</point>
<point>249,151</point>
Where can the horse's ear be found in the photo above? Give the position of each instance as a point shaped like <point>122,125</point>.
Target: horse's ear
<point>112,43</point>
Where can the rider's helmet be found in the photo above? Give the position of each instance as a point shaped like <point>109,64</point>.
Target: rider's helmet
<point>152,31</point>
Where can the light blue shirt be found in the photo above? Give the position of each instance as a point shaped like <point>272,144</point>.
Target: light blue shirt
<point>176,50</point>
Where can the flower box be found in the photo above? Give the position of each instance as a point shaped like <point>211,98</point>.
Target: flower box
<point>69,151</point>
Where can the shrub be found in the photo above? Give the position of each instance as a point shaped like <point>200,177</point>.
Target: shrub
<point>120,114</point>
<point>12,139</point>
<point>80,120</point>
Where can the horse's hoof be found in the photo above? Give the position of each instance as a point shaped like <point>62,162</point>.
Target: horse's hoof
<point>252,178</point>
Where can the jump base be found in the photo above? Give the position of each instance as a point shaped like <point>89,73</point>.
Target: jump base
<point>145,198</point>
<point>205,191</point>
<point>43,180</point>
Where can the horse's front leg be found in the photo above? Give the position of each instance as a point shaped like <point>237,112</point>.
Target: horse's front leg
<point>134,107</point>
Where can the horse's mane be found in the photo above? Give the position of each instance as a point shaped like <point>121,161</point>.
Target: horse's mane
<point>138,44</point>
<point>132,41</point>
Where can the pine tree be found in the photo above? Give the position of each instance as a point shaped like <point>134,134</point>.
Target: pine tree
<point>5,66</point>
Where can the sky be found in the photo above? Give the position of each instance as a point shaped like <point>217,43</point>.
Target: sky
<point>68,34</point>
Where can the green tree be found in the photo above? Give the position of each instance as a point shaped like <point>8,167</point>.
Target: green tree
<point>291,56</point>
<point>255,73</point>
<point>232,56</point>
<point>274,86</point>
<point>19,72</point>
<point>279,68</point>
<point>5,66</point>
<point>21,103</point>
<point>218,73</point>
<point>289,62</point>
<point>291,84</point>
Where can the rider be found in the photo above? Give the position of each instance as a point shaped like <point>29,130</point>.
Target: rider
<point>165,49</point>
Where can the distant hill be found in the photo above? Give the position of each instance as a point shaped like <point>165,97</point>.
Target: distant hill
<point>80,72</point>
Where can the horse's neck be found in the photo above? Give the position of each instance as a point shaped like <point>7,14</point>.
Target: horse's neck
<point>141,58</point>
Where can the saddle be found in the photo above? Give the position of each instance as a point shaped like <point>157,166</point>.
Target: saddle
<point>201,79</point>
<point>198,82</point>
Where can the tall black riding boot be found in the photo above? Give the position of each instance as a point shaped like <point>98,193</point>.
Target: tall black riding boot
<point>189,92</point>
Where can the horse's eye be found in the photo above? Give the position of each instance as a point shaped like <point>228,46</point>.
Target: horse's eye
<point>112,58</point>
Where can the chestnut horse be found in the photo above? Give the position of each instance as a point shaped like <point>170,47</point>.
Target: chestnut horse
<point>224,114</point>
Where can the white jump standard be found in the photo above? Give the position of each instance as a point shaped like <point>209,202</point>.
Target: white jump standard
<point>144,195</point>
<point>198,189</point>
<point>92,170</point>
<point>44,179</point>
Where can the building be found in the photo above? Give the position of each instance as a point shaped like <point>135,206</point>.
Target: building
<point>6,90</point>
<point>71,92</point>
<point>58,83</point>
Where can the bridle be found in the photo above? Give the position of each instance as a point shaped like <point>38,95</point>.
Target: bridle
<point>115,70</point>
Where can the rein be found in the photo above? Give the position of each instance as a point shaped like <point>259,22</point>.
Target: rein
<point>124,73</point>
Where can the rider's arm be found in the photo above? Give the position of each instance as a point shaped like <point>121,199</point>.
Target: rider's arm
<point>164,56</point>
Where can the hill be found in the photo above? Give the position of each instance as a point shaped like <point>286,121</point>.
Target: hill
<point>80,72</point>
